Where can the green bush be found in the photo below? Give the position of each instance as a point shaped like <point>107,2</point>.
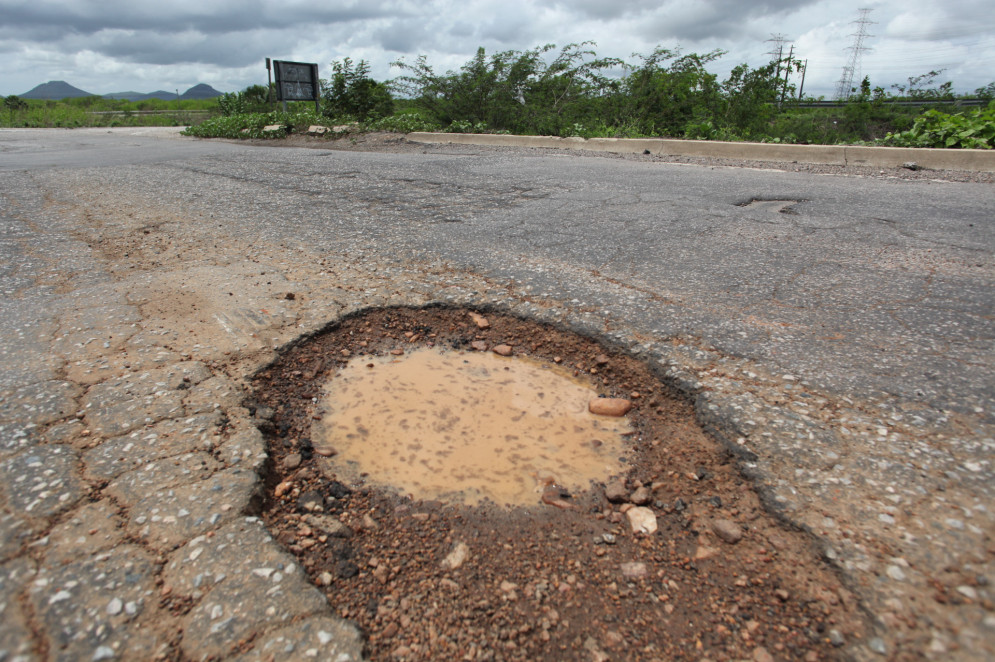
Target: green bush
<point>350,94</point>
<point>971,130</point>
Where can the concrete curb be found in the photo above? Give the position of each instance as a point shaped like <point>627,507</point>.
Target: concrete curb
<point>842,155</point>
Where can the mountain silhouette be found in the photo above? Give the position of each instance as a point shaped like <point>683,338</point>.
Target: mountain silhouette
<point>60,89</point>
<point>55,89</point>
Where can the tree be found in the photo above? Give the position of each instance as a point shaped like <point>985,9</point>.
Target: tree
<point>14,103</point>
<point>351,93</point>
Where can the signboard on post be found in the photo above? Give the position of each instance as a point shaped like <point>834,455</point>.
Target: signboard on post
<point>297,81</point>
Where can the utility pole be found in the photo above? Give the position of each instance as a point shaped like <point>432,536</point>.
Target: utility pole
<point>787,72</point>
<point>802,86</point>
<point>852,68</point>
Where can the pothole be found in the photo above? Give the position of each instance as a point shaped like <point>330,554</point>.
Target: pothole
<point>653,549</point>
<point>780,206</point>
<point>466,426</point>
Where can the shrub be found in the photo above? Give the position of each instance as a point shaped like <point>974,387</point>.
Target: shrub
<point>971,130</point>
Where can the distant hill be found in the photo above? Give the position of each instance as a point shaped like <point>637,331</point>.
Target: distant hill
<point>59,89</point>
<point>200,91</point>
<point>55,89</point>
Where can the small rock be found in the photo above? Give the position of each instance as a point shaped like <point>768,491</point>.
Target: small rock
<point>370,523</point>
<point>609,406</point>
<point>397,352</point>
<point>634,570</point>
<point>480,321</point>
<point>597,655</point>
<point>761,654</point>
<point>615,492</point>
<point>727,531</point>
<point>503,350</point>
<point>878,646</point>
<point>289,296</point>
<point>703,552</point>
<point>456,557</point>
<point>836,638</point>
<point>479,345</point>
<point>317,130</point>
<point>114,607</point>
<point>601,359</point>
<point>896,573</point>
<point>782,595</point>
<point>292,461</point>
<point>608,538</point>
<point>642,520</point>
<point>325,579</point>
<point>641,496</point>
<point>911,165</point>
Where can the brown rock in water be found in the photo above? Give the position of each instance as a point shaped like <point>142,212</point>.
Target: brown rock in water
<point>479,345</point>
<point>503,350</point>
<point>609,406</point>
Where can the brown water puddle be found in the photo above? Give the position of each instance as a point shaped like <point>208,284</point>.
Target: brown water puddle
<point>464,427</point>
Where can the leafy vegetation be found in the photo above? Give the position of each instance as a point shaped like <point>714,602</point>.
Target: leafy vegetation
<point>569,91</point>
<point>99,111</point>
<point>972,130</point>
<point>351,94</point>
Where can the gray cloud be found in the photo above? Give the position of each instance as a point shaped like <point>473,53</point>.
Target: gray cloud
<point>99,44</point>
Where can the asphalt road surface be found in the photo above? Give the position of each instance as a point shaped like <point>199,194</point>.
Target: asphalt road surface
<point>836,331</point>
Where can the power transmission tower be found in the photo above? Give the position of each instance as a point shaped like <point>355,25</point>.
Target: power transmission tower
<point>852,67</point>
<point>776,52</point>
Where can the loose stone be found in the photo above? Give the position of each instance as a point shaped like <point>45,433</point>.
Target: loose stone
<point>642,520</point>
<point>503,350</point>
<point>609,406</point>
<point>727,531</point>
<point>634,570</point>
<point>615,492</point>
<point>456,557</point>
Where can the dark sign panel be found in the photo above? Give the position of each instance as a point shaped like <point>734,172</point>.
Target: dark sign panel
<point>296,81</point>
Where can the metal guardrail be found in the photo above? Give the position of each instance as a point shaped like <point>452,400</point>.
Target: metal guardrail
<point>150,112</point>
<point>894,102</point>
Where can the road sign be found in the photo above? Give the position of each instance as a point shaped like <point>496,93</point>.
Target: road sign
<point>297,81</point>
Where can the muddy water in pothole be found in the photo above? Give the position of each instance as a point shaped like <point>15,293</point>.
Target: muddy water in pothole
<point>466,427</point>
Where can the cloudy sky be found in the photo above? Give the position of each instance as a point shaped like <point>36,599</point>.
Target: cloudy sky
<point>141,45</point>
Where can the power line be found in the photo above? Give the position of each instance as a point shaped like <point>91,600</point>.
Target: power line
<point>857,50</point>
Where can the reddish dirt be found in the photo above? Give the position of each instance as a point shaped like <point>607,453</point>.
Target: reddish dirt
<point>542,583</point>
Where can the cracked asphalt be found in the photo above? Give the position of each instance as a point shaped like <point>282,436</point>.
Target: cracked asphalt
<point>835,332</point>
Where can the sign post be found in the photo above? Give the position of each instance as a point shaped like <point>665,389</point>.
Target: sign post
<point>297,81</point>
